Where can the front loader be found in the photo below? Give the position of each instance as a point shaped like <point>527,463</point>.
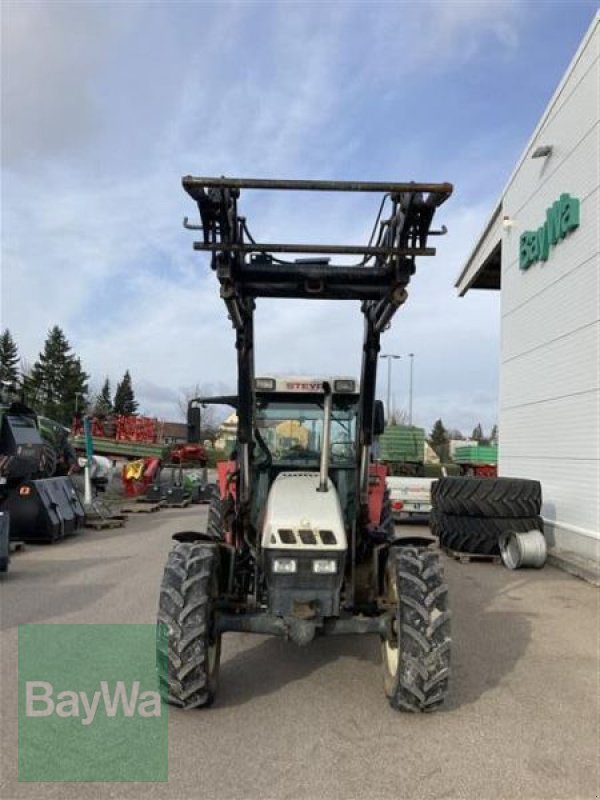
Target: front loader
<point>300,540</point>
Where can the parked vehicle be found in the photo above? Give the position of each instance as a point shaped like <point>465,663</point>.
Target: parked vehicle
<point>39,505</point>
<point>410,498</point>
<point>480,460</point>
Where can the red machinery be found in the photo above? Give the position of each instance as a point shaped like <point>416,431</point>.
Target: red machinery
<point>123,428</point>
<point>137,476</point>
<point>188,453</point>
<point>479,470</point>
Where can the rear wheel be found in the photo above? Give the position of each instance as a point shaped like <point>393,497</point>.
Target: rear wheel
<point>215,515</point>
<point>416,659</point>
<point>479,535</point>
<point>488,497</point>
<point>188,649</point>
<point>48,460</point>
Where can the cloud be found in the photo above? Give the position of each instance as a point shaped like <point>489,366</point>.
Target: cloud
<point>118,101</point>
<point>52,53</point>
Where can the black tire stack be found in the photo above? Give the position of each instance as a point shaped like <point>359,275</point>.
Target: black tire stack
<point>469,514</point>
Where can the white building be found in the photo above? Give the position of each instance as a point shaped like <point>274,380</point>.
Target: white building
<point>541,249</point>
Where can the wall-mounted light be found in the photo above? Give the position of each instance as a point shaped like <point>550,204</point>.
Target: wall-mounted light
<point>507,222</point>
<point>543,151</point>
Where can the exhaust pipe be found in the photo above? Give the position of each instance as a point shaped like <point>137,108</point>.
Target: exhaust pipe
<point>324,466</point>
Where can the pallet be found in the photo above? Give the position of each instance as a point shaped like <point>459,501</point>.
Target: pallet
<point>183,504</point>
<point>141,508</point>
<point>102,523</point>
<point>147,500</point>
<point>466,558</point>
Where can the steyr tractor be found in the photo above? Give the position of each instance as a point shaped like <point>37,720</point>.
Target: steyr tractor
<point>300,540</point>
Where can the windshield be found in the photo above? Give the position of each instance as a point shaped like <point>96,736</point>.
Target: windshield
<point>293,431</point>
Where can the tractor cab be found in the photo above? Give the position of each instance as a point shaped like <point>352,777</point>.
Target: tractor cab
<point>301,429</point>
<point>306,429</point>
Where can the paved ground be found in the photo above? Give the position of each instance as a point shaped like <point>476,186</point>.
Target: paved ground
<point>522,719</point>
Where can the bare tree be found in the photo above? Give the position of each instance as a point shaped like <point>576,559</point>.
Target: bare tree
<point>399,417</point>
<point>211,416</point>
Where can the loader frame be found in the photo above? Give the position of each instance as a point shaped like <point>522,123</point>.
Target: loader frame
<point>247,270</point>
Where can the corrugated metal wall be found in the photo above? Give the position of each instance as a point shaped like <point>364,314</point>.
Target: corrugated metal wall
<point>549,417</point>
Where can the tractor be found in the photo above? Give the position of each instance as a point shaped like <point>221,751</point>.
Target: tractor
<point>37,500</point>
<point>300,540</point>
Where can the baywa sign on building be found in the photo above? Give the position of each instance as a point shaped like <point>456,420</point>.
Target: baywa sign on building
<point>89,704</point>
<point>561,218</point>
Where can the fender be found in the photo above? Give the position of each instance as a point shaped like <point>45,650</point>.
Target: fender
<point>226,555</point>
<point>382,551</point>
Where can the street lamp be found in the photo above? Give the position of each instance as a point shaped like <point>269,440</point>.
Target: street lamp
<point>389,357</point>
<point>410,390</point>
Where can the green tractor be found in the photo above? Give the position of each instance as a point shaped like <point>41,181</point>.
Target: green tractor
<point>36,501</point>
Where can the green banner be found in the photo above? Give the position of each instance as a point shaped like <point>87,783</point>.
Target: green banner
<point>89,704</point>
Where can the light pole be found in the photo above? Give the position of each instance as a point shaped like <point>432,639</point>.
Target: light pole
<point>389,357</point>
<point>410,390</point>
<point>77,396</point>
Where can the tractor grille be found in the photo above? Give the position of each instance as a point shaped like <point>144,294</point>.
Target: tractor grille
<point>305,536</point>
<point>327,537</point>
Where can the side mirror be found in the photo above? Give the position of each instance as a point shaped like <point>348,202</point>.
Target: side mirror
<point>193,423</point>
<point>378,418</point>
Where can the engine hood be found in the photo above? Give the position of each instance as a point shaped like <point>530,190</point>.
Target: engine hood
<point>297,516</point>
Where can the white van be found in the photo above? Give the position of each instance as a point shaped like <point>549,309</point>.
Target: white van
<point>410,497</point>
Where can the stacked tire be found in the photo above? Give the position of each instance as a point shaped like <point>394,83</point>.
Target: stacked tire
<point>470,514</point>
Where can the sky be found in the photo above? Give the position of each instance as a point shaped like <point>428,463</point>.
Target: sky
<point>105,105</point>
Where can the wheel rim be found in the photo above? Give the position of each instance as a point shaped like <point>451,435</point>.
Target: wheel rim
<point>391,655</point>
<point>391,647</point>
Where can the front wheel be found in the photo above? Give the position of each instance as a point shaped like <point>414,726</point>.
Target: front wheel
<point>188,650</point>
<point>416,659</point>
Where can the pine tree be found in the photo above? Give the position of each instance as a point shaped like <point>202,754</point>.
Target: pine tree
<point>103,404</point>
<point>75,397</point>
<point>438,439</point>
<point>9,358</point>
<point>477,434</point>
<point>494,435</point>
<point>125,402</point>
<point>57,385</point>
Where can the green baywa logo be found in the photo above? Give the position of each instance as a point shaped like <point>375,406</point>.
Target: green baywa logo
<point>561,218</point>
<point>41,701</point>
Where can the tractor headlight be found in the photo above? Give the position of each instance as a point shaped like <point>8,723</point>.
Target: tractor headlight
<point>265,384</point>
<point>285,566</point>
<point>324,566</point>
<point>344,386</point>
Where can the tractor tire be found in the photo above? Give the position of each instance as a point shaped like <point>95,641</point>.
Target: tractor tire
<point>48,461</point>
<point>215,515</point>
<point>434,518</point>
<point>487,497</point>
<point>416,665</point>
<point>479,535</point>
<point>187,651</point>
